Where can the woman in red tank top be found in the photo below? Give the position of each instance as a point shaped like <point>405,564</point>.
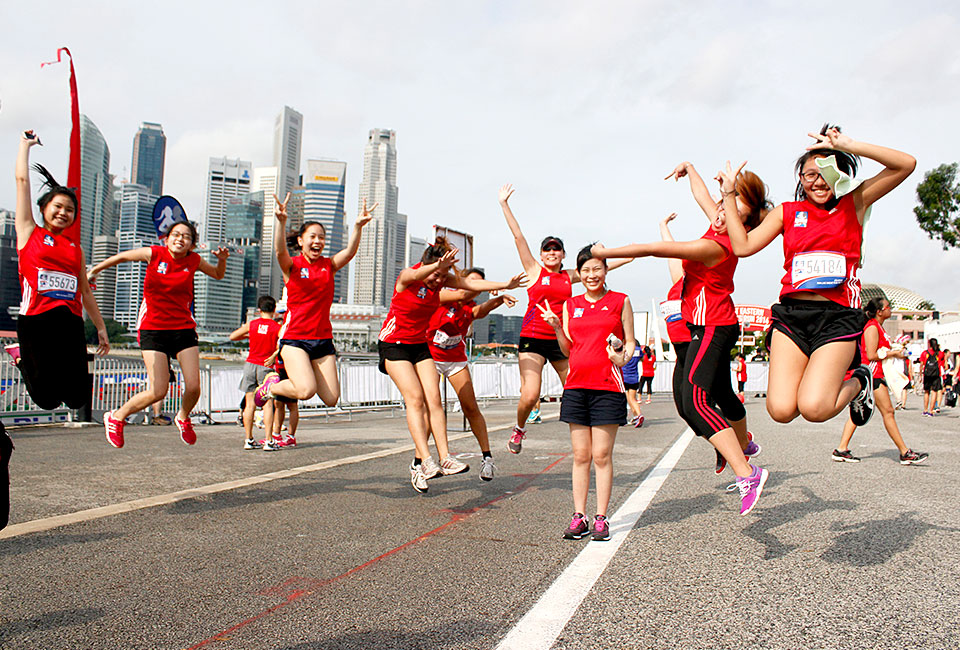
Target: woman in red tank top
<point>52,345</point>
<point>816,324</point>
<point>550,284</point>
<point>306,345</point>
<point>165,326</point>
<point>405,355</point>
<point>596,331</point>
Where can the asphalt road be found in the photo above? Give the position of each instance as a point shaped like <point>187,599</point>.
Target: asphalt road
<point>340,552</point>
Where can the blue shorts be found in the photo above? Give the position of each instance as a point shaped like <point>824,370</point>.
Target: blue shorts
<point>315,348</point>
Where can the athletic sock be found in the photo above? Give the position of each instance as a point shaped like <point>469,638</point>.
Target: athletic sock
<point>417,461</point>
<point>487,454</point>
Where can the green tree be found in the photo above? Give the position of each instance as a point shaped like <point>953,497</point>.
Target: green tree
<point>114,330</point>
<point>938,212</point>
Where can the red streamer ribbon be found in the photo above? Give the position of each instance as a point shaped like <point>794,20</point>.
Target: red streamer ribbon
<point>73,169</point>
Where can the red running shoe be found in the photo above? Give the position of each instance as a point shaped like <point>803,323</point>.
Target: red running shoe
<point>113,429</point>
<point>287,441</point>
<point>187,434</point>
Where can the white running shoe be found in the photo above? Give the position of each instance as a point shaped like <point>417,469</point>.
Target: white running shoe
<point>417,478</point>
<point>487,469</point>
<point>430,468</point>
<point>450,466</point>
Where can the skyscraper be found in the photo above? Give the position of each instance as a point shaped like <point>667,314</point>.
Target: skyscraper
<point>244,228</point>
<point>95,214</point>
<point>135,209</point>
<point>225,178</point>
<point>149,149</point>
<point>324,193</point>
<point>383,243</point>
<point>105,246</point>
<point>10,286</point>
<point>287,137</point>
<point>271,280</point>
<point>217,303</point>
<point>415,250</point>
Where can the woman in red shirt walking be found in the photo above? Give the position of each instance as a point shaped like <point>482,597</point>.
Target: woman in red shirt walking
<point>647,362</point>
<point>596,330</point>
<point>165,326</point>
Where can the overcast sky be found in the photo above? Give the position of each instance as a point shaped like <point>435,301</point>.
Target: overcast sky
<point>584,107</point>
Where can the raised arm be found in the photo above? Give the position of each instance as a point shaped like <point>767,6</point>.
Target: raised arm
<point>280,236</point>
<point>897,165</point>
<point>133,255</point>
<point>675,265</point>
<point>699,250</point>
<point>614,264</point>
<point>410,275</point>
<point>216,272</point>
<point>482,311</point>
<point>519,280</point>
<point>743,243</point>
<point>529,262</point>
<point>24,215</point>
<point>697,187</point>
<point>240,333</point>
<point>93,311</point>
<point>456,295</point>
<point>342,258</point>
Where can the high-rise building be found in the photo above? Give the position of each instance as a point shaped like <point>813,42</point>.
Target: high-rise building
<point>324,193</point>
<point>134,205</point>
<point>271,279</point>
<point>217,303</point>
<point>383,244</point>
<point>105,246</point>
<point>10,286</point>
<point>415,250</point>
<point>226,178</point>
<point>149,149</point>
<point>287,137</point>
<point>244,228</point>
<point>95,185</point>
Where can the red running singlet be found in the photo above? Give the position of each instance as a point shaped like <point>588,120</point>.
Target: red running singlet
<point>647,363</point>
<point>168,291</point>
<point>410,312</point>
<point>821,251</point>
<point>553,287</point>
<point>50,269</point>
<point>589,325</point>
<point>309,296</point>
<point>670,309</point>
<point>264,333</point>
<point>448,327</point>
<point>883,342</point>
<point>706,290</point>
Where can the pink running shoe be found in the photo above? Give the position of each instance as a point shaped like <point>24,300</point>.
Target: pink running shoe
<point>515,444</point>
<point>14,351</point>
<point>114,429</point>
<point>639,422</point>
<point>187,434</point>
<point>262,394</point>
<point>287,441</point>
<point>750,488</point>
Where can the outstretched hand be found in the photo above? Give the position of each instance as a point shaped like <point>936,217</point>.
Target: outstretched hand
<point>670,217</point>
<point>280,212</point>
<point>519,280</point>
<point>832,139</point>
<point>728,178</point>
<point>446,262</point>
<point>546,313</point>
<point>508,300</point>
<point>31,138</point>
<point>506,191</point>
<point>679,172</point>
<point>366,214</point>
<point>222,254</point>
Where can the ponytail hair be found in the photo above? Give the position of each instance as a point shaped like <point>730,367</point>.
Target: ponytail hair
<point>873,306</point>
<point>435,251</point>
<point>294,235</point>
<point>754,194</point>
<point>53,188</point>
<point>847,162</point>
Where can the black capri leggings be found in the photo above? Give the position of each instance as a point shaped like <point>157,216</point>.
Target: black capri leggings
<point>53,359</point>
<point>649,382</point>
<point>702,392</point>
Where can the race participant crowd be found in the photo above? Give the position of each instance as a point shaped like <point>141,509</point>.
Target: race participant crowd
<point>828,352</point>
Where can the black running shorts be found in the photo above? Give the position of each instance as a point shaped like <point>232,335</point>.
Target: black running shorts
<point>549,349</point>
<point>315,348</point>
<point>169,342</point>
<point>811,324</point>
<point>592,408</point>
<point>412,352</point>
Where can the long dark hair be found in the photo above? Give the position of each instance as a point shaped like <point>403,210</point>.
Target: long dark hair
<point>53,188</point>
<point>873,306</point>
<point>435,251</point>
<point>934,345</point>
<point>294,235</point>
<point>847,162</point>
<point>585,255</point>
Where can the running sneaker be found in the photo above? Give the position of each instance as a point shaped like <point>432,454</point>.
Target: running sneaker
<point>161,420</point>
<point>430,468</point>
<point>578,527</point>
<point>721,463</point>
<point>601,529</point>
<point>752,449</point>
<point>927,414</point>
<point>418,479</point>
<point>861,406</point>
<point>287,441</point>
<point>487,468</point>
<point>534,417</point>
<point>271,445</point>
<point>515,444</point>
<point>262,394</point>
<point>14,351</point>
<point>113,429</point>
<point>250,443</point>
<point>750,488</point>
<point>450,466</point>
<point>187,434</point>
<point>844,456</point>
<point>639,422</point>
<point>912,457</point>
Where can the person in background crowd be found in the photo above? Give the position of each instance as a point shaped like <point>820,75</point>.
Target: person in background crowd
<point>648,361</point>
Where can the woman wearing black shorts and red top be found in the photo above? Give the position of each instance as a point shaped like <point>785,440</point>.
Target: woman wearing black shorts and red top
<point>405,355</point>
<point>550,285</point>
<point>648,360</point>
<point>594,403</point>
<point>165,325</point>
<point>818,321</point>
<point>931,368</point>
<point>874,348</point>
<point>707,308</point>
<point>448,328</point>
<point>306,344</point>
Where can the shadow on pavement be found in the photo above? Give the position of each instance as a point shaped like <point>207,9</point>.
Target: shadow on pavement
<point>870,543</point>
<point>49,621</point>
<point>463,633</point>
<point>28,544</point>
<point>770,518</point>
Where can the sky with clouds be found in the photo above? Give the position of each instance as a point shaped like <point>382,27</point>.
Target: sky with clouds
<point>584,107</point>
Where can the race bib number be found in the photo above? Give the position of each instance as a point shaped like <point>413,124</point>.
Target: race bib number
<point>444,341</point>
<point>670,310</point>
<point>818,270</point>
<point>54,284</point>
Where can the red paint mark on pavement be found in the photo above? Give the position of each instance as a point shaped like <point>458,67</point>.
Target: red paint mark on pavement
<point>293,589</point>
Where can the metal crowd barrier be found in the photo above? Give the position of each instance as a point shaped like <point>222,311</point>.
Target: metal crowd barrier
<point>362,386</point>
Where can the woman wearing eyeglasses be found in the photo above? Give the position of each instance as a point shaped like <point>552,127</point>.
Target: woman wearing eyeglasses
<point>550,286</point>
<point>165,326</point>
<point>818,321</point>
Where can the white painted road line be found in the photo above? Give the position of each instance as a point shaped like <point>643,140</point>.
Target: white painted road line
<point>540,627</point>
<point>40,525</point>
